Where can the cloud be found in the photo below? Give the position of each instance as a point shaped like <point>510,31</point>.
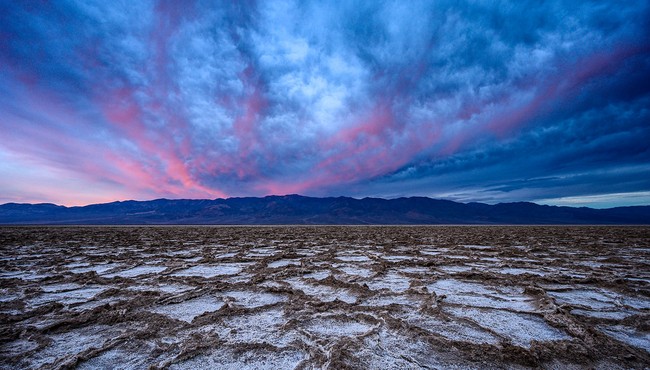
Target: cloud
<point>473,101</point>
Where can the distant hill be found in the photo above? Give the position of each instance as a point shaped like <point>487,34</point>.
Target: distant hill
<point>296,209</point>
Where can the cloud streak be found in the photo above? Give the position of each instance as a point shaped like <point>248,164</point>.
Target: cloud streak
<point>471,101</point>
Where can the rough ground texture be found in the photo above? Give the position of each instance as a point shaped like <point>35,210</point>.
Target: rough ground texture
<point>324,297</point>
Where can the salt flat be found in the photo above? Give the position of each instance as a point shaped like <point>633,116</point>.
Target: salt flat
<point>324,297</point>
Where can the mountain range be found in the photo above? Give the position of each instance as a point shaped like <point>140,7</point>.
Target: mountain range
<point>296,209</point>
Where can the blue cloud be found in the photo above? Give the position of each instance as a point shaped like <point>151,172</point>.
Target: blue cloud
<point>472,101</point>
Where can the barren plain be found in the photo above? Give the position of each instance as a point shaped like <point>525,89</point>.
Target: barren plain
<point>325,297</point>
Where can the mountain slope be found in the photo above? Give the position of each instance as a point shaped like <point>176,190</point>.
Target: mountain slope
<point>295,209</point>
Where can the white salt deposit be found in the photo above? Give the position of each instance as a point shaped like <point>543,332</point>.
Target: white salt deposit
<point>317,275</point>
<point>331,327</point>
<point>520,328</point>
<point>451,329</point>
<point>283,263</point>
<point>355,270</point>
<point>397,258</point>
<point>137,271</point>
<point>628,335</point>
<point>209,271</point>
<point>119,358</point>
<point>324,293</point>
<point>471,246</point>
<point>23,275</point>
<point>391,350</point>
<point>614,315</point>
<point>596,299</point>
<point>255,299</point>
<point>353,258</point>
<point>415,270</point>
<point>520,271</point>
<point>226,255</point>
<point>67,345</point>
<point>454,269</point>
<point>99,269</point>
<point>258,327</point>
<point>188,310</point>
<point>430,252</point>
<point>261,252</point>
<point>165,288</point>
<point>386,300</point>
<point>51,288</point>
<point>68,297</point>
<point>392,281</point>
<point>17,347</point>
<point>480,295</point>
<point>254,359</point>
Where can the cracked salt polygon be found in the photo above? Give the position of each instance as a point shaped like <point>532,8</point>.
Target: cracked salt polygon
<point>355,270</point>
<point>209,271</point>
<point>261,252</point>
<point>391,350</point>
<point>6,296</point>
<point>414,270</point>
<point>250,299</point>
<point>226,255</point>
<point>23,275</point>
<point>254,359</point>
<point>52,288</point>
<point>92,304</point>
<point>99,269</point>
<point>68,297</point>
<point>520,328</point>
<point>397,258</point>
<point>480,295</point>
<point>594,299</point>
<point>636,303</point>
<point>472,246</point>
<point>351,258</point>
<point>628,335</point>
<point>613,315</point>
<point>120,358</point>
<point>451,329</point>
<point>434,252</point>
<point>283,263</point>
<point>165,288</point>
<point>76,264</point>
<point>259,327</point>
<point>386,300</point>
<point>65,346</point>
<point>239,278</point>
<point>317,275</point>
<point>333,327</point>
<point>188,310</point>
<point>306,252</point>
<point>324,293</point>
<point>392,281</point>
<point>454,269</point>
<point>192,259</point>
<point>520,271</point>
<point>137,271</point>
<point>17,347</point>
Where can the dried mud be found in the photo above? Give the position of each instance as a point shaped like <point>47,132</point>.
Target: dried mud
<point>324,297</point>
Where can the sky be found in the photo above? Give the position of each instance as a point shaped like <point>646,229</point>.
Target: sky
<point>488,101</point>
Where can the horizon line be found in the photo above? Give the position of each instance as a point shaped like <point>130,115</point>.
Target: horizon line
<point>315,197</point>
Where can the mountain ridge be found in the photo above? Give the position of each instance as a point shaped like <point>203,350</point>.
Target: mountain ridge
<point>303,210</point>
